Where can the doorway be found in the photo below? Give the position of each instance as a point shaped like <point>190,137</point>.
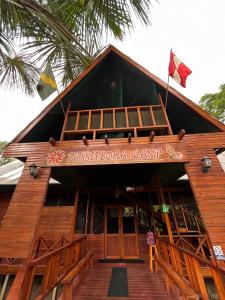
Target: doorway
<point>121,237</point>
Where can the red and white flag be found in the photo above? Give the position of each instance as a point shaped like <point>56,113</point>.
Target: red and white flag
<point>178,70</point>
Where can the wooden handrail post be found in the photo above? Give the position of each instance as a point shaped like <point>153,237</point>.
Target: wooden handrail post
<point>15,291</point>
<point>174,280</point>
<point>200,279</point>
<point>190,272</point>
<point>166,217</point>
<point>67,291</point>
<point>45,281</point>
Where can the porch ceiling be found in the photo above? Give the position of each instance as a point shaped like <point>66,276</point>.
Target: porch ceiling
<point>123,175</point>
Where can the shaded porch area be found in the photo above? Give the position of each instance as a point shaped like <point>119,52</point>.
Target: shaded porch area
<point>116,205</point>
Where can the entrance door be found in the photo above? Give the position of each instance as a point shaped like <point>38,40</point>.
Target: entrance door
<point>121,239</point>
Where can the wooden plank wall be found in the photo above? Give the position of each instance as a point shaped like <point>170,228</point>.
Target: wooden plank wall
<point>55,222</point>
<point>143,246</point>
<point>17,231</point>
<point>208,188</point>
<point>95,243</point>
<point>5,198</point>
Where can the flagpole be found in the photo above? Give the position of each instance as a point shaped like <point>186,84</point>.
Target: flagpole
<point>60,98</point>
<point>167,88</point>
<point>61,103</point>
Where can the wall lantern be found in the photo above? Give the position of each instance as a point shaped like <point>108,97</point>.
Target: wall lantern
<point>206,164</point>
<point>33,170</point>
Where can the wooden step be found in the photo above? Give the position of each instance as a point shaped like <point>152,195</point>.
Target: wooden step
<point>142,284</point>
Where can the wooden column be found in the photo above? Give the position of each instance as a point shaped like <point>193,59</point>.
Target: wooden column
<point>18,230</point>
<point>75,208</point>
<point>166,216</point>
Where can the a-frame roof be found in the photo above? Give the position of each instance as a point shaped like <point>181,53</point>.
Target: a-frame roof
<point>111,49</point>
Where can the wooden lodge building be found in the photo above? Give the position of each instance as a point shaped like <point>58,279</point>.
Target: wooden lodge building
<point>118,164</point>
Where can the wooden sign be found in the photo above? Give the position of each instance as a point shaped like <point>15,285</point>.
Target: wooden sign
<point>112,154</point>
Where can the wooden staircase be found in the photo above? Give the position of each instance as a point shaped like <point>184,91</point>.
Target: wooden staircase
<point>142,284</point>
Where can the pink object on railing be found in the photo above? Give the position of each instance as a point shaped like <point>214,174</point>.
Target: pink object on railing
<point>150,238</point>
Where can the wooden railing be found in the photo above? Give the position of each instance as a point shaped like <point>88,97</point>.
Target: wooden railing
<point>189,269</point>
<point>136,120</point>
<point>42,246</point>
<point>54,267</point>
<point>187,221</point>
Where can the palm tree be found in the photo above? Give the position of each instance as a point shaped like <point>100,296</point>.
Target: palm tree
<point>67,34</point>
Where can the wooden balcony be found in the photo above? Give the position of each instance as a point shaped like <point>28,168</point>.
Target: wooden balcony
<point>137,121</point>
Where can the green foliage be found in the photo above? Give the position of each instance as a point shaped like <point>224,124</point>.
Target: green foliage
<point>3,161</point>
<point>67,34</point>
<point>215,103</point>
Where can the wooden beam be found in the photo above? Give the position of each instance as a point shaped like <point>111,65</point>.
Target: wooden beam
<point>129,137</point>
<point>181,134</point>
<point>64,124</point>
<point>183,286</point>
<point>76,199</point>
<point>14,292</point>
<point>52,141</point>
<point>166,216</point>
<point>85,140</point>
<point>151,136</point>
<point>106,139</point>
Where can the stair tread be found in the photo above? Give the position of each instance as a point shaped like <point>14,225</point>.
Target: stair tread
<point>142,284</point>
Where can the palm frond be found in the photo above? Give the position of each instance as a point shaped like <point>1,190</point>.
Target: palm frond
<point>18,73</point>
<point>67,34</point>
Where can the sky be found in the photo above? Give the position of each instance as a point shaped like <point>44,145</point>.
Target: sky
<point>195,30</point>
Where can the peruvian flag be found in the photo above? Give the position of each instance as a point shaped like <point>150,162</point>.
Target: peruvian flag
<point>178,70</point>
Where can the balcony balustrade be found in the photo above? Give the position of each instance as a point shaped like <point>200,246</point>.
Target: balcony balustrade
<point>136,121</point>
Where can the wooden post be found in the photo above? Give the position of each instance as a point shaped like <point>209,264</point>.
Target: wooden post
<point>219,283</point>
<point>92,215</point>
<point>85,140</point>
<point>15,291</point>
<point>152,135</point>
<point>87,213</point>
<point>165,114</point>
<point>152,256</point>
<point>200,279</point>
<point>67,292</point>
<point>75,208</point>
<point>174,213</point>
<point>65,121</point>
<point>166,217</point>
<point>129,137</point>
<point>4,286</point>
<point>52,141</point>
<point>181,134</point>
<point>106,139</point>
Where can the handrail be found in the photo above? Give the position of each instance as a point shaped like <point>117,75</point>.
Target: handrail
<point>188,265</point>
<point>186,215</point>
<point>199,258</point>
<point>67,281</point>
<point>47,249</point>
<point>57,264</point>
<point>116,108</point>
<point>183,286</point>
<point>190,213</point>
<point>46,256</point>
